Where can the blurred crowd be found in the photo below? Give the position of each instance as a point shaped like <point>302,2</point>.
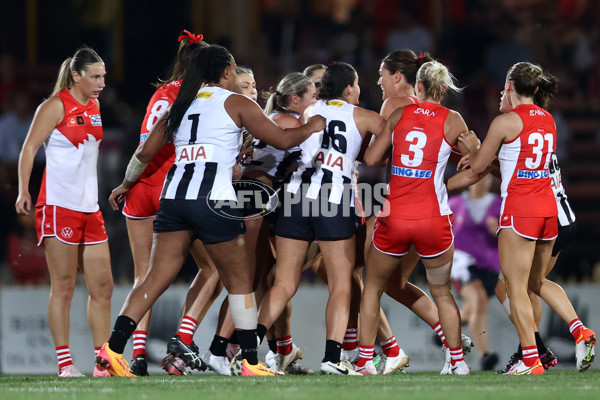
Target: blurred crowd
<point>478,39</point>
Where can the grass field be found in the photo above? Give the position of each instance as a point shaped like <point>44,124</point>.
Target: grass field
<point>418,385</point>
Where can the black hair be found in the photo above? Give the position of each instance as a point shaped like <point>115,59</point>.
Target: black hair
<point>206,66</point>
<point>185,53</point>
<point>335,79</point>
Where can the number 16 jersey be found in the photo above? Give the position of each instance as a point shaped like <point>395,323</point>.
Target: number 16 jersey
<point>328,156</point>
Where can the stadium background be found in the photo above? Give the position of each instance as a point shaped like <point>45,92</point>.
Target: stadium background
<point>477,39</point>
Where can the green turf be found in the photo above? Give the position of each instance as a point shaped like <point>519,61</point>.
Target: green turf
<point>568,385</point>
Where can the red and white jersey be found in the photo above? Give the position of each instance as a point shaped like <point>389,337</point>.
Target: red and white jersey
<point>525,163</point>
<point>157,169</point>
<point>419,158</point>
<point>70,178</point>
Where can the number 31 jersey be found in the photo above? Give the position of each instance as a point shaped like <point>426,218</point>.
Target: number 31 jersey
<point>328,156</point>
<point>419,159</point>
<point>525,163</point>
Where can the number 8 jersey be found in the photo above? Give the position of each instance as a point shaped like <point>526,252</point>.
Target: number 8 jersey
<point>328,156</point>
<point>419,159</point>
<point>524,164</point>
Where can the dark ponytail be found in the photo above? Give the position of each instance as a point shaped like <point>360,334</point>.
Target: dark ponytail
<point>406,62</point>
<point>530,80</point>
<point>335,79</point>
<point>206,66</point>
<point>185,54</point>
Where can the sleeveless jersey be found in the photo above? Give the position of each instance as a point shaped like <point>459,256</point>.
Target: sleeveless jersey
<point>328,156</point>
<point>70,177</point>
<point>273,162</point>
<point>566,216</point>
<point>155,172</point>
<point>206,145</point>
<point>525,163</point>
<point>419,159</point>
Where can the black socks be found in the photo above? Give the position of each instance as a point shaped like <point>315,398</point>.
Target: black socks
<point>122,331</point>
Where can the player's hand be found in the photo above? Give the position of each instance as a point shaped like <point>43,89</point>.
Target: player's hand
<point>470,140</point>
<point>316,123</point>
<point>117,196</point>
<point>23,204</point>
<point>464,163</point>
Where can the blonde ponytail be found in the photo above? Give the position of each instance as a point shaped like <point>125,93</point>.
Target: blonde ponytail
<point>436,80</point>
<point>65,78</point>
<point>80,61</point>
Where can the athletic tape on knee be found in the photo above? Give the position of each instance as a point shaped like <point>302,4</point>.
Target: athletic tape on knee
<point>506,305</point>
<point>439,275</point>
<point>243,310</point>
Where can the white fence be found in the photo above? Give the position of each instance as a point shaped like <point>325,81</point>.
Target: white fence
<point>26,345</point>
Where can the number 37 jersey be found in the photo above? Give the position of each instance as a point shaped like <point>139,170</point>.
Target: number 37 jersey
<point>328,156</point>
<point>525,163</point>
<point>419,159</point>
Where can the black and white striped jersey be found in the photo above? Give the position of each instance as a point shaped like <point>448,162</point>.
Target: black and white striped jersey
<point>566,216</point>
<point>328,156</point>
<point>278,164</point>
<point>206,146</point>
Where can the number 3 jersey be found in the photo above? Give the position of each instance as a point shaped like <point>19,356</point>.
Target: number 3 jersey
<point>70,178</point>
<point>155,172</point>
<point>206,145</point>
<point>525,163</point>
<point>419,158</point>
<point>328,156</point>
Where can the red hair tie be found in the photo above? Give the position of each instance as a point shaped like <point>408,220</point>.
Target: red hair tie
<point>192,38</point>
<point>420,56</point>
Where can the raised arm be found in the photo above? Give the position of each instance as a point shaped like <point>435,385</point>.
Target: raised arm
<point>47,117</point>
<point>378,147</point>
<point>248,114</point>
<point>504,127</point>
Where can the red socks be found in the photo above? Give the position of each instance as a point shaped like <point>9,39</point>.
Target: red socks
<point>63,355</point>
<point>530,355</point>
<point>365,354</point>
<point>284,345</point>
<point>187,329</point>
<point>350,338</point>
<point>390,347</point>
<point>139,343</point>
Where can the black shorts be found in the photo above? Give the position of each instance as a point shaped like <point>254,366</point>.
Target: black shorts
<point>488,278</point>
<point>201,217</point>
<point>565,236</point>
<point>295,221</point>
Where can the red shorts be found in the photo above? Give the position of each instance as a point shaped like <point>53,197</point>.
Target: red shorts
<point>68,226</point>
<point>431,236</point>
<point>142,201</point>
<point>535,228</point>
